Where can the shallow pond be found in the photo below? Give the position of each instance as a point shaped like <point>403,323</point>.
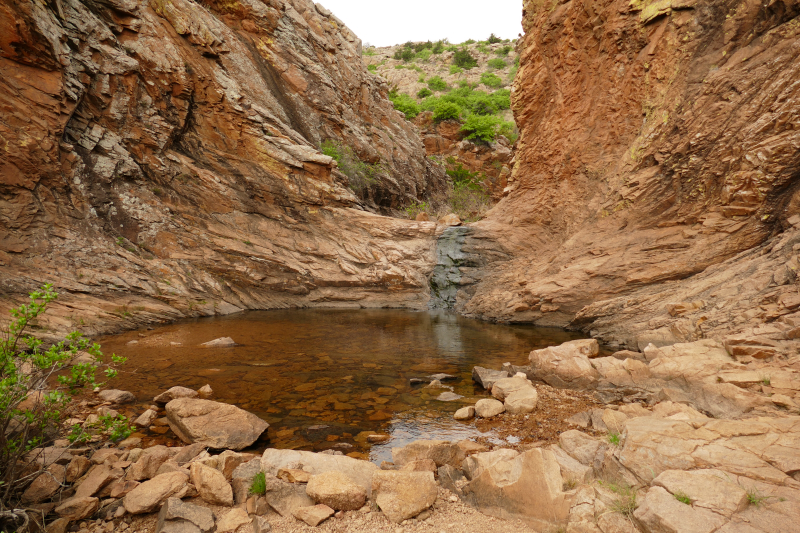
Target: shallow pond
<point>328,378</point>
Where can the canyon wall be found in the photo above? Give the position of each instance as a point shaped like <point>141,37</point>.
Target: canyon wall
<point>160,160</point>
<point>656,188</point>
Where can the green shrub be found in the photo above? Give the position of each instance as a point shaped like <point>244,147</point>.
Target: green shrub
<point>497,63</point>
<point>438,47</point>
<point>416,208</point>
<point>491,79</point>
<point>372,68</point>
<point>482,48</point>
<point>51,382</point>
<point>509,131</point>
<point>424,55</point>
<point>259,484</point>
<point>464,59</point>
<point>470,204</point>
<point>504,51</point>
<point>468,42</point>
<point>493,39</point>
<point>405,104</point>
<point>501,98</point>
<point>455,69</point>
<point>399,67</point>
<point>421,78</point>
<point>446,111</point>
<point>424,93</point>
<point>461,175</point>
<point>482,128</point>
<point>360,175</point>
<point>404,54</point>
<point>436,83</point>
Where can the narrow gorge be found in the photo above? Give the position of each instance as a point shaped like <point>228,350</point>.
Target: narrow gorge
<point>256,209</point>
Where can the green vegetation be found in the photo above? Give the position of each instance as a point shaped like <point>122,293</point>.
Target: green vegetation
<point>369,51</point>
<point>405,54</point>
<point>497,63</point>
<point>37,395</point>
<point>372,68</point>
<point>436,83</point>
<point>493,39</point>
<point>424,55</point>
<point>438,47</point>
<point>482,128</point>
<point>754,497</point>
<point>482,48</point>
<point>424,93</point>
<point>625,501</point>
<point>455,69</point>
<point>360,175</point>
<point>416,208</point>
<point>464,59</point>
<point>405,104</point>
<point>613,438</point>
<point>259,484</point>
<point>468,42</point>
<point>446,111</point>
<point>491,79</point>
<point>504,51</point>
<point>683,497</point>
<point>421,78</point>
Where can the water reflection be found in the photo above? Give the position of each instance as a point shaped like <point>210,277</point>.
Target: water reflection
<point>329,378</point>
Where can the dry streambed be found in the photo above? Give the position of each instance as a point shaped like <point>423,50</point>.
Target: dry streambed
<point>677,446</point>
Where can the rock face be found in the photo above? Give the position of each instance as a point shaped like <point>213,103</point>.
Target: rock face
<point>179,144</point>
<point>654,193</point>
<point>214,424</point>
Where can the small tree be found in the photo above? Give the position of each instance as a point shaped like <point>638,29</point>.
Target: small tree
<point>464,59</point>
<point>494,39</point>
<point>37,387</point>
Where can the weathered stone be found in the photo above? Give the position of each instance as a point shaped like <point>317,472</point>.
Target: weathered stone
<point>522,401</point>
<point>475,464</point>
<point>403,495</point>
<point>440,452</point>
<point>294,475</point>
<point>45,485</point>
<point>709,489</point>
<point>205,391</point>
<point>486,377</point>
<point>488,408</point>
<point>233,520</point>
<point>180,517</point>
<point>227,462</point>
<point>145,420</point>
<point>174,393</point>
<point>98,477</point>
<point>580,446</point>
<point>222,342</point>
<point>286,497</point>
<point>450,220</point>
<point>211,485</point>
<point>59,525</point>
<point>77,467</point>
<point>504,387</point>
<point>214,424</point>
<point>661,511</point>
<point>358,471</point>
<point>422,465</point>
<point>260,525</point>
<point>337,491</point>
<point>314,515</point>
<point>571,469</point>
<point>465,413</point>
<point>78,508</point>
<point>146,467</point>
<point>566,365</point>
<point>117,396</point>
<point>149,495</point>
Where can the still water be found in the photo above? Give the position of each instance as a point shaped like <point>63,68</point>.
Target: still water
<point>328,378</point>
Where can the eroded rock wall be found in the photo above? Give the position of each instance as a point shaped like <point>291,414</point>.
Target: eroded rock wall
<point>159,159</point>
<point>658,164</point>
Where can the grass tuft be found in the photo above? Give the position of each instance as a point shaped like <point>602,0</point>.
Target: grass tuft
<point>259,484</point>
<point>683,497</point>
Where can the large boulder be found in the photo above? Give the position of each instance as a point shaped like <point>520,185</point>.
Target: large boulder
<point>286,497</point>
<point>149,495</point>
<point>403,495</point>
<point>709,489</point>
<point>211,485</point>
<point>360,472</point>
<point>179,517</point>
<point>567,365</point>
<point>337,491</point>
<point>233,520</point>
<point>214,424</point>
<point>528,487</point>
<point>486,377</point>
<point>441,452</point>
<point>580,446</point>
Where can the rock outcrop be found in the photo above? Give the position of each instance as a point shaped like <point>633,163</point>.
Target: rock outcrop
<point>655,190</point>
<point>160,160</point>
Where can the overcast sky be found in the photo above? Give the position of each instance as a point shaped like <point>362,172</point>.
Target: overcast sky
<point>383,23</point>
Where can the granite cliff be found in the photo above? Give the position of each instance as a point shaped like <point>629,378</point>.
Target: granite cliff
<point>656,187</point>
<point>160,159</point>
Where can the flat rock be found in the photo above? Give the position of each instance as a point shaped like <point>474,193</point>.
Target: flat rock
<point>661,511</point>
<point>177,516</point>
<point>709,489</point>
<point>174,393</point>
<point>488,408</point>
<point>78,508</point>
<point>358,471</point>
<point>314,515</point>
<point>486,377</point>
<point>149,495</point>
<point>117,396</point>
<point>441,452</point>
<point>286,497</point>
<point>151,459</point>
<point>403,495</point>
<point>214,424</point>
<point>337,491</point>
<point>448,397</point>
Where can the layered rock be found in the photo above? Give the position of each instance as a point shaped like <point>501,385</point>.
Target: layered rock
<point>161,160</point>
<point>654,193</point>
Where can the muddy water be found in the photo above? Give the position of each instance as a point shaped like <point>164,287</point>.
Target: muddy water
<point>328,378</point>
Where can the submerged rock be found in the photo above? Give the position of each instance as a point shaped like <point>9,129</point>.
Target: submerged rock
<point>222,342</point>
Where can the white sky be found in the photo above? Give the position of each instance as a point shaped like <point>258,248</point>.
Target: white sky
<point>382,23</point>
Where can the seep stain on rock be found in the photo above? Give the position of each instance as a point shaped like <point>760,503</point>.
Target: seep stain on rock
<point>331,379</point>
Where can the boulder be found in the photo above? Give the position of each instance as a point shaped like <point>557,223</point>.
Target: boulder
<point>294,475</point>
<point>465,413</point>
<point>173,394</point>
<point>261,525</point>
<point>337,491</point>
<point>504,387</point>
<point>145,420</point>
<point>314,515</point>
<point>488,408</point>
<point>528,487</point>
<point>441,452</point>
<point>148,464</point>
<point>211,485</point>
<point>78,508</point>
<point>179,517</point>
<point>214,424</point>
<point>661,511</point>
<point>580,446</point>
<point>522,401</point>
<point>422,465</point>
<point>149,495</point>
<point>205,391</point>
<point>45,485</point>
<point>98,477</point>
<point>117,396</point>
<point>567,365</point>
<point>221,342</point>
<point>475,464</point>
<point>450,220</point>
<point>187,453</point>
<point>403,495</point>
<point>233,520</point>
<point>358,471</point>
<point>77,467</point>
<point>286,497</point>
<point>486,377</point>
<point>228,461</point>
